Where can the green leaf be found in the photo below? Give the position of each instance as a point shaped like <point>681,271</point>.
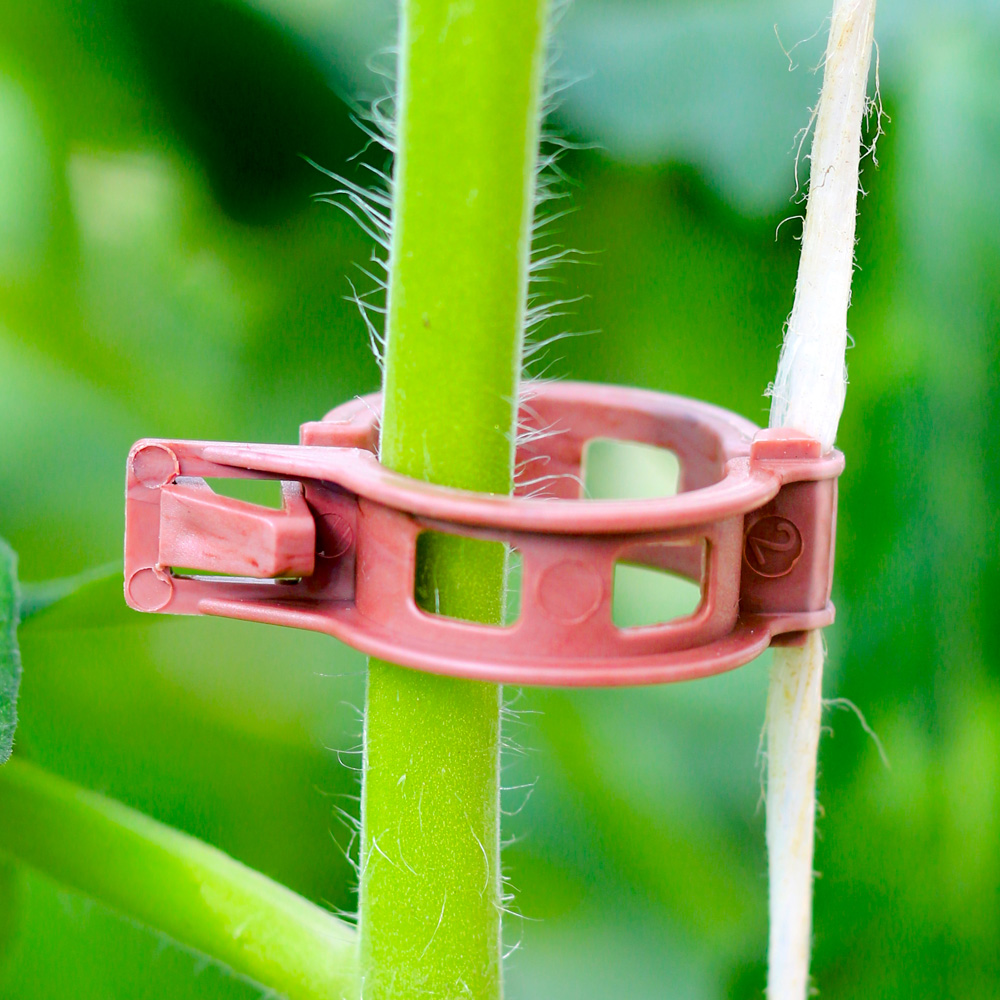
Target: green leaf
<point>11,891</point>
<point>10,656</point>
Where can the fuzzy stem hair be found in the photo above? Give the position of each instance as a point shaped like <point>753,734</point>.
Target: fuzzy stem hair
<point>808,394</point>
<point>466,135</point>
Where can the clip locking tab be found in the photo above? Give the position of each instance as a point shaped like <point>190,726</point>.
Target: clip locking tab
<point>753,523</point>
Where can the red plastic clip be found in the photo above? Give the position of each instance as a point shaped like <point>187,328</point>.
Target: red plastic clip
<point>753,524</point>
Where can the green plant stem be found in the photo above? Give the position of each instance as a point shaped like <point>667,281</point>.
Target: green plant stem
<point>470,78</point>
<point>176,884</point>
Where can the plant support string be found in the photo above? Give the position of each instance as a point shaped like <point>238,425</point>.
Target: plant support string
<point>808,394</point>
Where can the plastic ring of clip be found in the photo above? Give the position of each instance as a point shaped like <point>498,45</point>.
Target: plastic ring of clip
<point>753,523</point>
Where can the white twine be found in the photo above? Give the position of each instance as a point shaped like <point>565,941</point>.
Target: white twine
<point>808,394</point>
<point>809,388</point>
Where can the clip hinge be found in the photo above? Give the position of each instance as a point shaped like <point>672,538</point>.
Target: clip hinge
<point>186,544</point>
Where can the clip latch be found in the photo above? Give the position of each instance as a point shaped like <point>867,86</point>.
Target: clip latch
<point>201,530</point>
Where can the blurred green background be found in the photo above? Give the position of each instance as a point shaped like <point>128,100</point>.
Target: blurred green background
<point>163,272</point>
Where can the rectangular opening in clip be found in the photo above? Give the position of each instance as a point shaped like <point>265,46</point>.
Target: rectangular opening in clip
<point>263,492</point>
<point>658,583</point>
<point>628,470</point>
<point>451,573</point>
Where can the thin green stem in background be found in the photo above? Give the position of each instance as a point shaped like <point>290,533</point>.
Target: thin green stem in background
<point>176,884</point>
<point>470,79</point>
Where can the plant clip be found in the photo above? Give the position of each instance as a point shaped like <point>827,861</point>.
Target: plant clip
<point>753,523</point>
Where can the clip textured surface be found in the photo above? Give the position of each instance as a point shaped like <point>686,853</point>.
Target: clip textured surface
<point>753,524</point>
